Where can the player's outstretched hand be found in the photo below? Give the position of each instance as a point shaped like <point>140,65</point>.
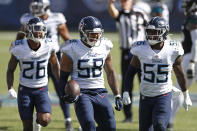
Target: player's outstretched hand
<point>126,98</point>
<point>118,103</point>
<point>191,70</point>
<point>12,93</point>
<point>187,101</point>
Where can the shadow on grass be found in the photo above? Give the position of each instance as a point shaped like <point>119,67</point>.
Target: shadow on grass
<point>3,128</point>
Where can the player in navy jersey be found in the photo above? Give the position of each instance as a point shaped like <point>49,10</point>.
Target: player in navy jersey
<point>84,59</point>
<point>56,27</point>
<point>33,55</point>
<point>156,58</point>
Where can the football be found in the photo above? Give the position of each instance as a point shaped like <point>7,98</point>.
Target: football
<point>72,89</point>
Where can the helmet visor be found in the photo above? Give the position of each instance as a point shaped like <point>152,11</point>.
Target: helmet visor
<point>39,28</point>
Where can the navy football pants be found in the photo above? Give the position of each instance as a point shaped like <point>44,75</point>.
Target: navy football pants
<point>28,98</point>
<point>156,111</point>
<point>95,107</point>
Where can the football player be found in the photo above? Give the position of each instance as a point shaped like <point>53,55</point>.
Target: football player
<point>156,58</point>
<point>33,55</point>
<point>189,42</point>
<point>84,60</point>
<point>56,26</point>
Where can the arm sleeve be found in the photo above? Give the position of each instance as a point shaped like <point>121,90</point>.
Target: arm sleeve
<point>129,76</point>
<point>194,45</point>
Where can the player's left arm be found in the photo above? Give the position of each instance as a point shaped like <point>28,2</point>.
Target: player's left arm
<point>55,67</point>
<point>64,32</point>
<point>10,76</point>
<point>113,82</point>
<point>111,75</point>
<point>181,78</point>
<point>178,70</point>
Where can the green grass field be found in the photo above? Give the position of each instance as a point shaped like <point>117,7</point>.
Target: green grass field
<point>9,117</point>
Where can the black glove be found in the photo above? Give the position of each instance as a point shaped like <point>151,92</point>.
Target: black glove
<point>118,103</point>
<point>68,99</point>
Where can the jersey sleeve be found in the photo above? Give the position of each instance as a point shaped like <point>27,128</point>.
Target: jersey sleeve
<point>25,18</point>
<point>67,48</point>
<point>178,49</point>
<point>109,44</point>
<point>136,47</point>
<point>16,47</point>
<point>60,18</point>
<point>53,44</point>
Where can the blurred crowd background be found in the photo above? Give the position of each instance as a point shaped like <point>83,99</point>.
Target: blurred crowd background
<point>74,10</point>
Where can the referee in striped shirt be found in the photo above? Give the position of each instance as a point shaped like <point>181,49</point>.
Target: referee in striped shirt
<point>130,24</point>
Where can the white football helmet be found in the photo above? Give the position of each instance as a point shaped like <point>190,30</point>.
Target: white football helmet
<point>36,29</point>
<point>157,30</point>
<point>87,27</point>
<point>39,7</point>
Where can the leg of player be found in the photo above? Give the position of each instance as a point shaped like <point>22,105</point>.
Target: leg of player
<point>85,113</point>
<point>43,106</point>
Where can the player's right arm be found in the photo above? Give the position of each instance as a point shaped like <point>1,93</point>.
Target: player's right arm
<point>10,77</point>
<point>65,70</point>
<point>113,11</point>
<point>133,68</point>
<point>10,71</point>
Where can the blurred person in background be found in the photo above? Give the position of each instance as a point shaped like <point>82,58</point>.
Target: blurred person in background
<point>33,55</point>
<point>156,58</point>
<point>85,59</point>
<point>159,8</point>
<point>130,25</point>
<point>56,26</point>
<point>189,42</point>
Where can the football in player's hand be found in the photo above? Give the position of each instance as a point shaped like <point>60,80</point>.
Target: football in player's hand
<point>72,89</point>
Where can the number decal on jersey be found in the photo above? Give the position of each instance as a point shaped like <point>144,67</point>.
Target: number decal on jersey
<point>31,66</point>
<point>161,70</point>
<point>39,69</point>
<point>86,70</point>
<point>18,42</point>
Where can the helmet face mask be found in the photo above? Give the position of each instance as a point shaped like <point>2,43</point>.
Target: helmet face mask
<point>36,29</point>
<point>156,30</point>
<point>90,29</point>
